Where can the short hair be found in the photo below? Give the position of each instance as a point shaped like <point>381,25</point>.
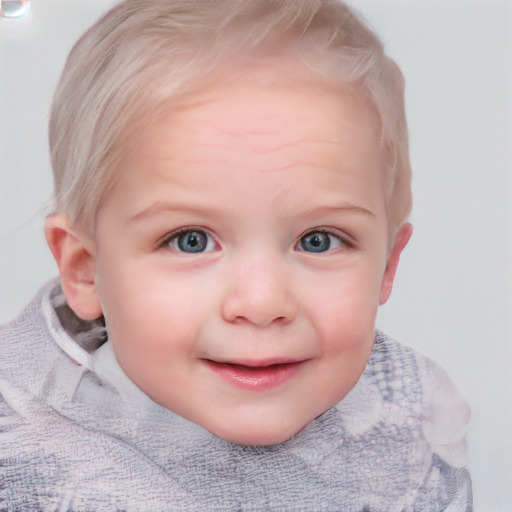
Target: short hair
<point>145,55</point>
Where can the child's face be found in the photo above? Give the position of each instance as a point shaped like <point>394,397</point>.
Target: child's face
<point>240,257</point>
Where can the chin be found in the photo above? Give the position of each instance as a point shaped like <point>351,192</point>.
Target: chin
<point>255,435</point>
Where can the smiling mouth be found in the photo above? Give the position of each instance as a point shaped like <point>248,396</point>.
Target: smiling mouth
<point>256,376</point>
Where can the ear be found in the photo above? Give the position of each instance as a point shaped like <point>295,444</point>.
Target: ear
<point>75,254</point>
<point>402,238</point>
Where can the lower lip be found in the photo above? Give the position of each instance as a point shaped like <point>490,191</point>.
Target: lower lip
<point>259,378</point>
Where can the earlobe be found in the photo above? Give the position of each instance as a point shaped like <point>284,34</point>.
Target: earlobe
<point>402,238</point>
<point>74,252</point>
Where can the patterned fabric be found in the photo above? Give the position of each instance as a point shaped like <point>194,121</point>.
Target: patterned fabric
<point>77,435</point>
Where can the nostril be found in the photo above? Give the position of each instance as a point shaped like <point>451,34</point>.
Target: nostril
<point>259,314</point>
<point>261,296</point>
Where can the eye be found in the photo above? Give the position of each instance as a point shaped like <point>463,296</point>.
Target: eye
<point>320,241</point>
<point>189,241</point>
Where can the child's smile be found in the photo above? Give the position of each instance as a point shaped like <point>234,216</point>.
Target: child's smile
<point>255,374</point>
<point>240,257</point>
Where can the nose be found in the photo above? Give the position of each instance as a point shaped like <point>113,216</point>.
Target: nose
<point>261,293</point>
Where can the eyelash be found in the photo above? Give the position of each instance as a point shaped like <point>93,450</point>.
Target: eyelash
<point>174,236</point>
<point>343,241</point>
<point>321,241</point>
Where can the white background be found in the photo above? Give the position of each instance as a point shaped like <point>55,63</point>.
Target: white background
<point>453,295</point>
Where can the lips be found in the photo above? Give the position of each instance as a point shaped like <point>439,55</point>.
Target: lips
<point>256,375</point>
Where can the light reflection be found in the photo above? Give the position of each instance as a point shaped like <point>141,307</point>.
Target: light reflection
<point>14,8</point>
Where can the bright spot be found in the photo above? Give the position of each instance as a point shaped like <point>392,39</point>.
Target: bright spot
<point>13,8</point>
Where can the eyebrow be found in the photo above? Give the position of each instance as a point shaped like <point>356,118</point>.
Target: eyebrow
<point>341,207</point>
<point>163,207</point>
<point>319,211</point>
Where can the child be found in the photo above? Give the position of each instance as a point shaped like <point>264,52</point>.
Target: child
<point>232,191</point>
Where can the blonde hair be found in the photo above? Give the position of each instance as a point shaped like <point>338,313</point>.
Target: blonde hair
<point>146,54</point>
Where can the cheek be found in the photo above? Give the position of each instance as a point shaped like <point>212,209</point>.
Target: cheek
<point>344,308</point>
<point>150,313</point>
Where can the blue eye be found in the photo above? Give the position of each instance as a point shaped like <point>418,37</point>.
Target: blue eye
<point>190,241</point>
<point>319,241</point>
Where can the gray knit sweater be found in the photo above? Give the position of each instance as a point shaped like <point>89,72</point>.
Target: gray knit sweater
<point>77,435</point>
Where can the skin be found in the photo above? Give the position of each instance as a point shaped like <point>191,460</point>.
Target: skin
<point>254,167</point>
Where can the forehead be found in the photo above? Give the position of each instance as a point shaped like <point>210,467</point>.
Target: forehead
<point>259,107</point>
<point>258,123</point>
